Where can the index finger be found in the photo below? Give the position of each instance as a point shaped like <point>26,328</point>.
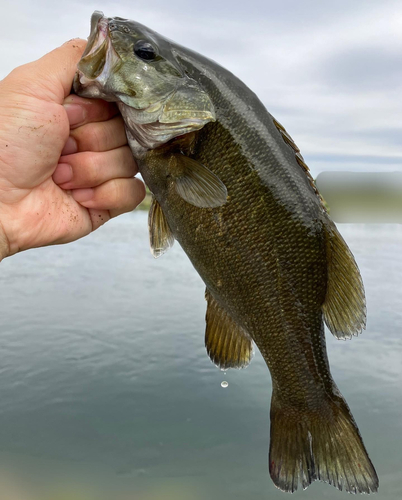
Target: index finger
<point>50,77</point>
<point>81,111</point>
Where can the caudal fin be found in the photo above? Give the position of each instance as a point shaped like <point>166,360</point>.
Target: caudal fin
<point>320,445</point>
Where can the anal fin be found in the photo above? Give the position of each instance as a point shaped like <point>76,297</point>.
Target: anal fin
<point>227,344</point>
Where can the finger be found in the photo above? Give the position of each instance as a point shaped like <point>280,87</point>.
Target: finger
<point>98,217</point>
<point>117,196</point>
<point>51,76</point>
<point>81,111</point>
<point>83,170</point>
<point>101,136</point>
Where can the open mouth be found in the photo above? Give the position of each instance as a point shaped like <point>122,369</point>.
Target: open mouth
<point>99,56</point>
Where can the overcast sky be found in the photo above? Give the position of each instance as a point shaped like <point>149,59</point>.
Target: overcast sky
<point>330,72</point>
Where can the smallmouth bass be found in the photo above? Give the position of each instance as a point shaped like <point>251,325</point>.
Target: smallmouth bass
<point>230,185</point>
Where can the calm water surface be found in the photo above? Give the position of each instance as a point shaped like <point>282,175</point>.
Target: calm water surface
<point>106,385</point>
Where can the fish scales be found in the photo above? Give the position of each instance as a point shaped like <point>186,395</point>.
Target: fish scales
<point>254,249</point>
<point>230,185</point>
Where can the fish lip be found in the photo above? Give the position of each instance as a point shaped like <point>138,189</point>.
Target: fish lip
<point>98,40</point>
<point>93,39</point>
<point>99,34</point>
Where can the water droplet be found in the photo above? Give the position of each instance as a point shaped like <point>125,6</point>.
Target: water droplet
<point>224,384</point>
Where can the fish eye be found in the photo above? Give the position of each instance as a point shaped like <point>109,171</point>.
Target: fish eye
<point>144,50</point>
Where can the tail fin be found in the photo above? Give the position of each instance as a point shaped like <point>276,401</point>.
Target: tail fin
<point>322,445</point>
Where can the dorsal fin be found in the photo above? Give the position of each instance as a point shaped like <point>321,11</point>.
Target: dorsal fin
<point>345,305</point>
<point>228,345</point>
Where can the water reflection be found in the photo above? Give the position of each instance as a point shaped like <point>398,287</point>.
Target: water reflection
<point>106,383</point>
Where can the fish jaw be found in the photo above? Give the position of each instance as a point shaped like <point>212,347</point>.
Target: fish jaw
<point>98,62</point>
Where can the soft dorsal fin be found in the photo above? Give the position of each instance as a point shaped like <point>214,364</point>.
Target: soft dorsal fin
<point>344,307</point>
<point>160,235</point>
<point>196,184</point>
<point>228,345</point>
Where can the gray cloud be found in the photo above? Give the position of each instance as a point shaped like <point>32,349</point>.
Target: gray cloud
<point>329,71</point>
<point>368,67</point>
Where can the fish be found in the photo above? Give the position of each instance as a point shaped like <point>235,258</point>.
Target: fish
<point>230,185</point>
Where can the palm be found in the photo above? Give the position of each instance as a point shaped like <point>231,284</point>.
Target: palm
<point>39,204</point>
<point>49,215</point>
<point>36,211</point>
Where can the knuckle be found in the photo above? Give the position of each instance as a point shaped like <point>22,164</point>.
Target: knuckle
<point>128,194</point>
<point>128,159</point>
<point>134,193</point>
<point>97,137</point>
<point>100,136</point>
<point>88,137</point>
<point>76,43</point>
<point>117,191</point>
<point>93,170</point>
<point>117,131</point>
<point>140,191</point>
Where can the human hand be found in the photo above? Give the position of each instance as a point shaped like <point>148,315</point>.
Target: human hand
<point>65,167</point>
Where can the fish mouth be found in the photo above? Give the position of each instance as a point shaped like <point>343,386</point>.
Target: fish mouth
<point>99,57</point>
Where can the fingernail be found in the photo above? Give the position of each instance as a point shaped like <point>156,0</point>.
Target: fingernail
<point>76,114</point>
<point>70,146</point>
<point>63,173</point>
<point>82,195</point>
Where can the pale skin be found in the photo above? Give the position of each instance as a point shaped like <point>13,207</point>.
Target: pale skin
<point>65,166</point>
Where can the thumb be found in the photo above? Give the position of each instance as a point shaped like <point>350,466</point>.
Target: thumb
<point>51,76</point>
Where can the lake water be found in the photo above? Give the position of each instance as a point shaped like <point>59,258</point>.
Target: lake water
<point>106,388</point>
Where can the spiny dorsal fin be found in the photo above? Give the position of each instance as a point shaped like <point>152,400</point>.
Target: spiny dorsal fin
<point>345,305</point>
<point>286,137</point>
<point>228,345</point>
<point>299,158</point>
<point>160,235</point>
<point>196,184</point>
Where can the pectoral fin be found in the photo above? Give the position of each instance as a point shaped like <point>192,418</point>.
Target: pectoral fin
<point>228,345</point>
<point>160,235</point>
<point>345,306</point>
<point>197,185</point>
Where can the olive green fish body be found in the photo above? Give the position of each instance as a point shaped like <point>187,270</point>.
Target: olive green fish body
<point>262,254</point>
<point>231,186</point>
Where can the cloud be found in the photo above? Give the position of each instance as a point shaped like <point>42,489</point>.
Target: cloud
<point>363,68</point>
<point>329,71</point>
